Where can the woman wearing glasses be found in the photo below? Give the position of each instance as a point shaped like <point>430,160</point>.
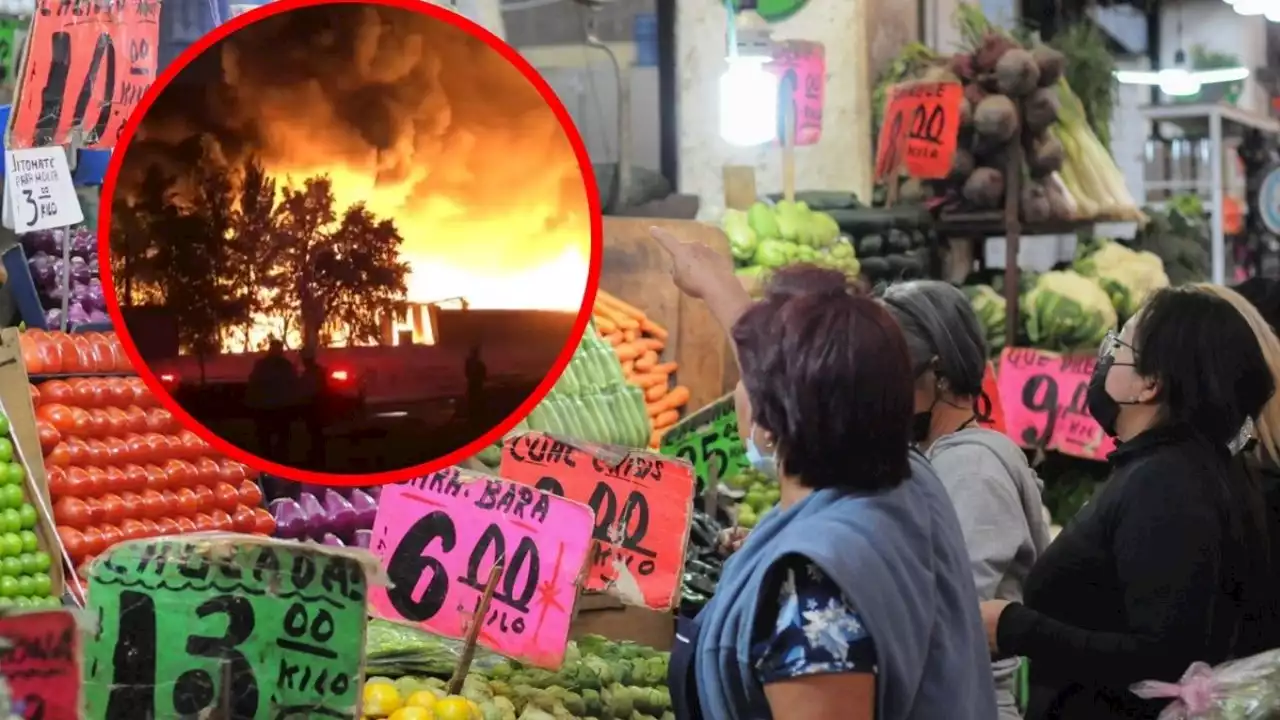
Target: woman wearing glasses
<point>1168,564</point>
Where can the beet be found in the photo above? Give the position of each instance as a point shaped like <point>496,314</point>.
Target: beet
<point>996,119</point>
<point>985,188</point>
<point>1017,74</point>
<point>1051,64</point>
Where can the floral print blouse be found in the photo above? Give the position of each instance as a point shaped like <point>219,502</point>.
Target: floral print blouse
<point>815,629</point>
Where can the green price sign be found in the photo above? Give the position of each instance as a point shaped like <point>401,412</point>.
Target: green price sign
<point>708,440</point>
<point>775,10</point>
<point>229,626</point>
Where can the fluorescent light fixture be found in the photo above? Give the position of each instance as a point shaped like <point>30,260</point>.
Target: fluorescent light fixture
<point>1250,7</point>
<point>1179,82</point>
<point>748,102</point>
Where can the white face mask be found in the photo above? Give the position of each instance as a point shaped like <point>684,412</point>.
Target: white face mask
<point>765,464</point>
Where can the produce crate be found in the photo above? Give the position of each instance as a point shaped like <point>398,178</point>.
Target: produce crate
<point>606,615</point>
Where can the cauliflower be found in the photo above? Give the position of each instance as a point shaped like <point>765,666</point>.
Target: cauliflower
<point>1128,276</point>
<point>1066,311</point>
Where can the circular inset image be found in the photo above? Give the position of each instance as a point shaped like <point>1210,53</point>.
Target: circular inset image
<point>350,243</point>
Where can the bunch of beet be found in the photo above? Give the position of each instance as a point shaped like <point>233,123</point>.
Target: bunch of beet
<point>1010,99</point>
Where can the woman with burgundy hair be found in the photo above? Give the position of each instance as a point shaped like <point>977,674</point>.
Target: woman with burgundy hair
<point>854,598</point>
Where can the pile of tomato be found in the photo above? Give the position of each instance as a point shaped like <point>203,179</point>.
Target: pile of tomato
<point>52,353</point>
<point>119,467</point>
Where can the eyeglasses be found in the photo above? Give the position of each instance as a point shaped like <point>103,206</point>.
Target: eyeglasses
<point>1112,342</point>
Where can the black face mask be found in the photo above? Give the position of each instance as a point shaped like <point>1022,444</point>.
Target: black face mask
<point>921,423</point>
<point>1104,408</point>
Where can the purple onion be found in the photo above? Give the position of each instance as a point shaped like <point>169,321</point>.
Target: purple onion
<point>83,244</point>
<point>42,242</point>
<point>80,270</point>
<point>291,522</point>
<point>366,508</point>
<point>340,514</point>
<point>53,318</point>
<point>374,491</point>
<point>332,540</point>
<point>363,538</point>
<point>76,315</point>
<point>317,523</point>
<point>97,316</point>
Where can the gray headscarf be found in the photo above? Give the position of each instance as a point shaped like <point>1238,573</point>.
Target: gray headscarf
<point>939,322</point>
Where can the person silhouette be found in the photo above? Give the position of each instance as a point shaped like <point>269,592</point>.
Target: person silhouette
<point>313,386</point>
<point>477,373</point>
<point>268,397</point>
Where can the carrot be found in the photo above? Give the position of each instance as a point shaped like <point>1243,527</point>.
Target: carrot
<point>625,308</point>
<point>604,324</point>
<point>629,336</point>
<point>665,368</point>
<point>644,381</point>
<point>650,327</point>
<point>614,338</point>
<point>628,351</point>
<point>655,393</point>
<point>647,361</point>
<point>653,344</point>
<point>655,438</point>
<point>676,398</point>
<point>628,367</point>
<point>620,319</point>
<point>666,418</point>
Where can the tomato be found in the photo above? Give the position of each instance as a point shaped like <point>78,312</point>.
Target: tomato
<point>159,447</point>
<point>84,353</point>
<point>79,451</point>
<point>67,351</point>
<point>79,423</point>
<point>97,478</point>
<point>117,422</point>
<point>110,535</point>
<point>118,393</point>
<point>49,435</point>
<point>232,471</point>
<point>132,529</point>
<point>99,453</point>
<point>204,523</point>
<point>116,481</point>
<point>59,456</point>
<point>250,493</point>
<point>208,471</point>
<point>95,510</point>
<point>159,420</point>
<point>135,419</point>
<point>266,524</point>
<point>56,480</point>
<point>99,423</point>
<point>244,519</point>
<point>171,501</point>
<point>135,477</point>
<point>112,505</point>
<point>35,396</point>
<point>82,392</point>
<point>56,391</point>
<point>72,512</point>
<point>30,354</point>
<point>193,444</point>
<point>150,527</point>
<point>79,484</point>
<point>169,526</point>
<point>186,525</point>
<point>139,448</point>
<point>92,540</point>
<point>47,349</point>
<point>157,479</point>
<point>176,449</point>
<point>103,358</point>
<point>121,358</point>
<point>72,541</point>
<point>225,496</point>
<point>193,474</point>
<point>141,393</point>
<point>204,498</point>
<point>222,521</point>
<point>179,473</point>
<point>57,415</point>
<point>117,451</point>
<point>186,502</point>
<point>153,504</point>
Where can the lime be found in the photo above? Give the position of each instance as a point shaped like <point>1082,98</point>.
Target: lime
<point>8,586</point>
<point>26,585</point>
<point>12,566</point>
<point>27,515</point>
<point>12,496</point>
<point>53,602</point>
<point>10,544</point>
<point>30,543</point>
<point>6,449</point>
<point>4,424</point>
<point>13,474</point>
<point>10,520</point>
<point>6,602</point>
<point>41,585</point>
<point>22,602</point>
<point>39,562</point>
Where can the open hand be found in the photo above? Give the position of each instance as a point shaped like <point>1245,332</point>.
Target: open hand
<point>695,268</point>
<point>731,539</point>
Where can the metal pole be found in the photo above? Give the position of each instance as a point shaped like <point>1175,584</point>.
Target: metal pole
<point>1218,245</point>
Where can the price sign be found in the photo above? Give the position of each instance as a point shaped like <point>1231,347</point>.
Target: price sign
<point>642,503</point>
<point>708,440</point>
<point>86,67</point>
<point>439,538</point>
<point>1044,397</point>
<point>801,67</point>
<point>40,661</point>
<point>38,191</point>
<point>920,129</point>
<point>994,411</point>
<point>191,625</point>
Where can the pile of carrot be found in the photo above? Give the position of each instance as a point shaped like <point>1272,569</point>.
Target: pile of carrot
<point>638,343</point>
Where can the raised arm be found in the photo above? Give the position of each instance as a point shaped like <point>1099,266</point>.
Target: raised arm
<point>702,273</point>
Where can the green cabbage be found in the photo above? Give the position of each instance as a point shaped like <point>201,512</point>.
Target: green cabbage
<point>1129,277</point>
<point>1067,311</point>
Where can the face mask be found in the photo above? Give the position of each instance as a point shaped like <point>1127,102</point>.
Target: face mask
<point>1104,408</point>
<point>921,423</point>
<point>765,464</point>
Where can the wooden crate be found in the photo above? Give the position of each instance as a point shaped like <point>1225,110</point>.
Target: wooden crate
<point>637,270</point>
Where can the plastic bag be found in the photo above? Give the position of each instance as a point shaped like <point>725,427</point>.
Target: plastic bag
<point>1246,689</point>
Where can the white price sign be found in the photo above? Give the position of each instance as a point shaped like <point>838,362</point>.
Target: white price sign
<point>38,191</point>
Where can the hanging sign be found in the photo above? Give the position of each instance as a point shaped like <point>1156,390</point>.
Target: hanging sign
<point>1043,396</point>
<point>642,502</point>
<point>920,129</point>
<point>991,408</point>
<point>87,65</point>
<point>708,440</point>
<point>40,662</point>
<point>802,80</point>
<point>190,626</point>
<point>39,193</point>
<point>439,536</point>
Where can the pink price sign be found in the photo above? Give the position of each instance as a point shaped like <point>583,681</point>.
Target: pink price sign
<point>438,537</point>
<point>1044,398</point>
<point>801,66</point>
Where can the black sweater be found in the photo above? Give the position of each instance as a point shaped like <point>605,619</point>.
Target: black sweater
<point>1152,575</point>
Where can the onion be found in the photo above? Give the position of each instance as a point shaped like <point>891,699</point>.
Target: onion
<point>341,516</point>
<point>53,318</point>
<point>374,491</point>
<point>80,270</point>
<point>332,540</point>
<point>363,538</point>
<point>76,315</point>
<point>291,522</point>
<point>83,244</point>
<point>97,316</point>
<point>313,511</point>
<point>366,508</point>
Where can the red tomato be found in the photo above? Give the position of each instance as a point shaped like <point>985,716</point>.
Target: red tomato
<point>116,480</point>
<point>117,422</point>
<point>99,423</point>
<point>186,502</point>
<point>221,521</point>
<point>159,447</point>
<point>72,540</point>
<point>97,479</point>
<point>204,498</point>
<point>113,509</point>
<point>208,471</point>
<point>244,519</point>
<point>48,350</point>
<point>49,435</point>
<point>95,510</point>
<point>78,449</point>
<point>186,524</point>
<point>117,450</point>
<point>192,473</point>
<point>225,496</point>
<point>157,479</point>
<point>59,456</point>
<point>170,501</point>
<point>99,453</point>
<point>84,353</point>
<point>176,449</point>
<point>79,423</point>
<point>169,526</point>
<point>30,354</point>
<point>103,359</point>
<point>133,529</point>
<point>150,527</point>
<point>118,393</point>
<point>266,525</point>
<point>82,392</point>
<point>122,363</point>
<point>250,493</point>
<point>35,396</point>
<point>57,415</point>
<point>92,540</point>
<point>192,443</point>
<point>72,512</point>
<point>154,504</point>
<point>159,420</point>
<point>232,471</point>
<point>56,479</point>
<point>136,419</point>
<point>141,393</point>
<point>56,391</point>
<point>179,473</point>
<point>80,483</point>
<point>71,360</point>
<point>135,478</point>
<point>139,448</point>
<point>110,535</point>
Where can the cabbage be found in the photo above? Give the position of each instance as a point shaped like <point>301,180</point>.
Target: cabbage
<point>990,307</point>
<point>1129,277</point>
<point>1067,311</point>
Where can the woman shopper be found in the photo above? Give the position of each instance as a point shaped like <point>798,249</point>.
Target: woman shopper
<point>853,599</point>
<point>1165,566</point>
<point>995,492</point>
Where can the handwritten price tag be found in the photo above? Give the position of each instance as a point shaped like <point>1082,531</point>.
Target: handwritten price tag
<point>439,537</point>
<point>1044,397</point>
<point>642,505</point>
<point>273,629</point>
<point>920,129</point>
<point>801,67</point>
<point>41,664</point>
<point>994,411</point>
<point>708,440</point>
